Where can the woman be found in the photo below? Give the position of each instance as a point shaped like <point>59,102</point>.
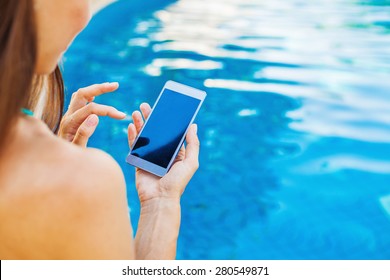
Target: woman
<point>58,199</point>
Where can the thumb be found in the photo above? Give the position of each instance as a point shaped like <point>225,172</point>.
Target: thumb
<point>192,149</point>
<point>85,131</point>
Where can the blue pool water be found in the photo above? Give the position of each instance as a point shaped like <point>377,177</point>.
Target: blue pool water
<point>295,131</point>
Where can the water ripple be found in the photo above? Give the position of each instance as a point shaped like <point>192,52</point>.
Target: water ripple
<point>295,131</point>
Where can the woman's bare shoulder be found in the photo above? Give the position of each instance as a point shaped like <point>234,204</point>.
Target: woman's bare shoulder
<point>87,166</point>
<point>60,166</point>
<point>66,164</point>
<point>89,196</point>
<point>72,200</point>
<point>92,204</point>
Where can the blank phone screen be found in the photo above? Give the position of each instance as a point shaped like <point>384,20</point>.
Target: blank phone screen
<point>165,128</point>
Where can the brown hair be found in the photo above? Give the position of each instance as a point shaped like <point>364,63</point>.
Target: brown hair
<point>20,87</point>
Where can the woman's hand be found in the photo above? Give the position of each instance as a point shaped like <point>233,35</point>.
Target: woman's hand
<point>172,185</point>
<point>81,119</point>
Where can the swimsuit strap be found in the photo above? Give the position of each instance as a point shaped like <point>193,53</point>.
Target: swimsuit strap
<point>27,112</point>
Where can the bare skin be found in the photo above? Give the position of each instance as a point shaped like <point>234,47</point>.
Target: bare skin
<point>61,200</point>
<point>53,203</point>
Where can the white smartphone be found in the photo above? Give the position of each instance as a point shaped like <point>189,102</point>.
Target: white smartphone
<point>163,133</point>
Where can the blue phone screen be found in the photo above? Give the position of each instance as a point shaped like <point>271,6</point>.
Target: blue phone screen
<point>165,128</point>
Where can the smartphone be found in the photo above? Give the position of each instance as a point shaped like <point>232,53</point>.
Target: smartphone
<point>163,133</point>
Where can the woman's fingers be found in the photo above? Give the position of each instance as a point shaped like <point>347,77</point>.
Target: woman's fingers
<point>135,128</point>
<point>70,125</point>
<point>97,109</point>
<point>85,131</point>
<point>132,134</point>
<point>137,116</point>
<point>192,149</point>
<point>146,110</point>
<point>138,121</point>
<point>182,152</point>
<point>84,95</point>
<point>74,126</point>
<point>71,122</point>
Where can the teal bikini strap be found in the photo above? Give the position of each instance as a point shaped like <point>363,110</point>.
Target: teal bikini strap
<point>27,112</point>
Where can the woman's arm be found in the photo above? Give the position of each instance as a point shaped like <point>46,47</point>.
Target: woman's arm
<point>158,229</point>
<point>159,223</point>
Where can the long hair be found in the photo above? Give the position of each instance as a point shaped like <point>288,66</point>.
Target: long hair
<point>20,87</point>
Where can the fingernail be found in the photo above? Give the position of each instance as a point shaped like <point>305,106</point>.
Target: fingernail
<point>92,120</point>
<point>195,128</point>
<point>121,114</point>
<point>116,84</point>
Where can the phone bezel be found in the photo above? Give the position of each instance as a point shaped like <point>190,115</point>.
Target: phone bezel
<point>147,165</point>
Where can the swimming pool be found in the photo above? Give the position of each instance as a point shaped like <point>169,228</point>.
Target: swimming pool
<point>295,131</point>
